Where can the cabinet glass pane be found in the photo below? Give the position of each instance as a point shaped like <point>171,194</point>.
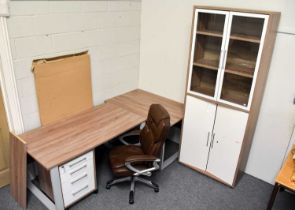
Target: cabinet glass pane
<point>247,28</point>
<point>241,59</point>
<point>203,81</point>
<point>207,51</point>
<point>211,23</point>
<point>236,89</point>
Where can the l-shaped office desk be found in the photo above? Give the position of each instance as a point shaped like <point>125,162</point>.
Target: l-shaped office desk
<point>58,143</point>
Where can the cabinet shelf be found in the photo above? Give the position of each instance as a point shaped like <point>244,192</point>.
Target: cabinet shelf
<point>207,90</point>
<point>209,64</point>
<point>238,73</point>
<point>246,70</point>
<point>240,37</point>
<point>240,67</point>
<point>237,97</point>
<point>210,33</point>
<point>247,38</point>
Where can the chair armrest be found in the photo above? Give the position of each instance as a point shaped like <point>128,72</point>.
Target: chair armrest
<point>140,158</point>
<point>132,133</point>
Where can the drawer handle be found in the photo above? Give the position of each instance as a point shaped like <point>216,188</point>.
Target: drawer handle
<point>84,188</point>
<point>78,169</point>
<point>79,161</point>
<point>78,179</point>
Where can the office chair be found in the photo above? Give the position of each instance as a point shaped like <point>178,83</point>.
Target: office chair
<point>131,162</point>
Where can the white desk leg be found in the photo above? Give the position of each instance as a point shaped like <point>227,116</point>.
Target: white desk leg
<point>56,188</point>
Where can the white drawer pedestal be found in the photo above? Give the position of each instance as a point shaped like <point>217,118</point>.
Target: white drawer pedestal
<point>77,178</point>
<point>70,182</point>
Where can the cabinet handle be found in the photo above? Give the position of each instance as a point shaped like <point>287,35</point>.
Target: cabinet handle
<point>212,140</point>
<point>208,139</point>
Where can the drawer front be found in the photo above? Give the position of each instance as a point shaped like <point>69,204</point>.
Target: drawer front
<point>77,178</point>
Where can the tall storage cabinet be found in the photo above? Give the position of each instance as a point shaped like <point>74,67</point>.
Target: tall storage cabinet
<point>230,55</point>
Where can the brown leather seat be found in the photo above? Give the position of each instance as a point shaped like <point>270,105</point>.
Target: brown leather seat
<point>127,160</point>
<point>118,156</point>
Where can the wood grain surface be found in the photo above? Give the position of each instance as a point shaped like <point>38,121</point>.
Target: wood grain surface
<point>18,170</point>
<point>60,142</point>
<point>138,101</point>
<point>286,172</point>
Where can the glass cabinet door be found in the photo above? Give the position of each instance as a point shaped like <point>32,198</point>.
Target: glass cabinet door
<point>206,51</point>
<point>243,49</point>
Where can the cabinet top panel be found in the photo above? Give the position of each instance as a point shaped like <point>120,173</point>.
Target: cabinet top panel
<point>266,12</point>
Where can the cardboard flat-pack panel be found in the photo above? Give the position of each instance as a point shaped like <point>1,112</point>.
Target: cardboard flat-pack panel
<point>63,86</point>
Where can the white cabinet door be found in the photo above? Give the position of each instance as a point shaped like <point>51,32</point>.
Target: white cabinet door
<point>196,134</point>
<point>226,143</point>
<point>208,44</point>
<point>243,49</point>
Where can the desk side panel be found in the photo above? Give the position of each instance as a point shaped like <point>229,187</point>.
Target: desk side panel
<point>45,181</point>
<point>18,170</point>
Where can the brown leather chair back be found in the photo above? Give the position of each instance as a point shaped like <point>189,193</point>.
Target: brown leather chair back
<point>156,129</point>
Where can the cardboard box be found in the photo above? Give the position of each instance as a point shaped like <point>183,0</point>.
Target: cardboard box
<point>63,86</point>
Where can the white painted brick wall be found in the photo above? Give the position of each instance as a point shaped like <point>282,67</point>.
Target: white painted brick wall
<point>109,29</point>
